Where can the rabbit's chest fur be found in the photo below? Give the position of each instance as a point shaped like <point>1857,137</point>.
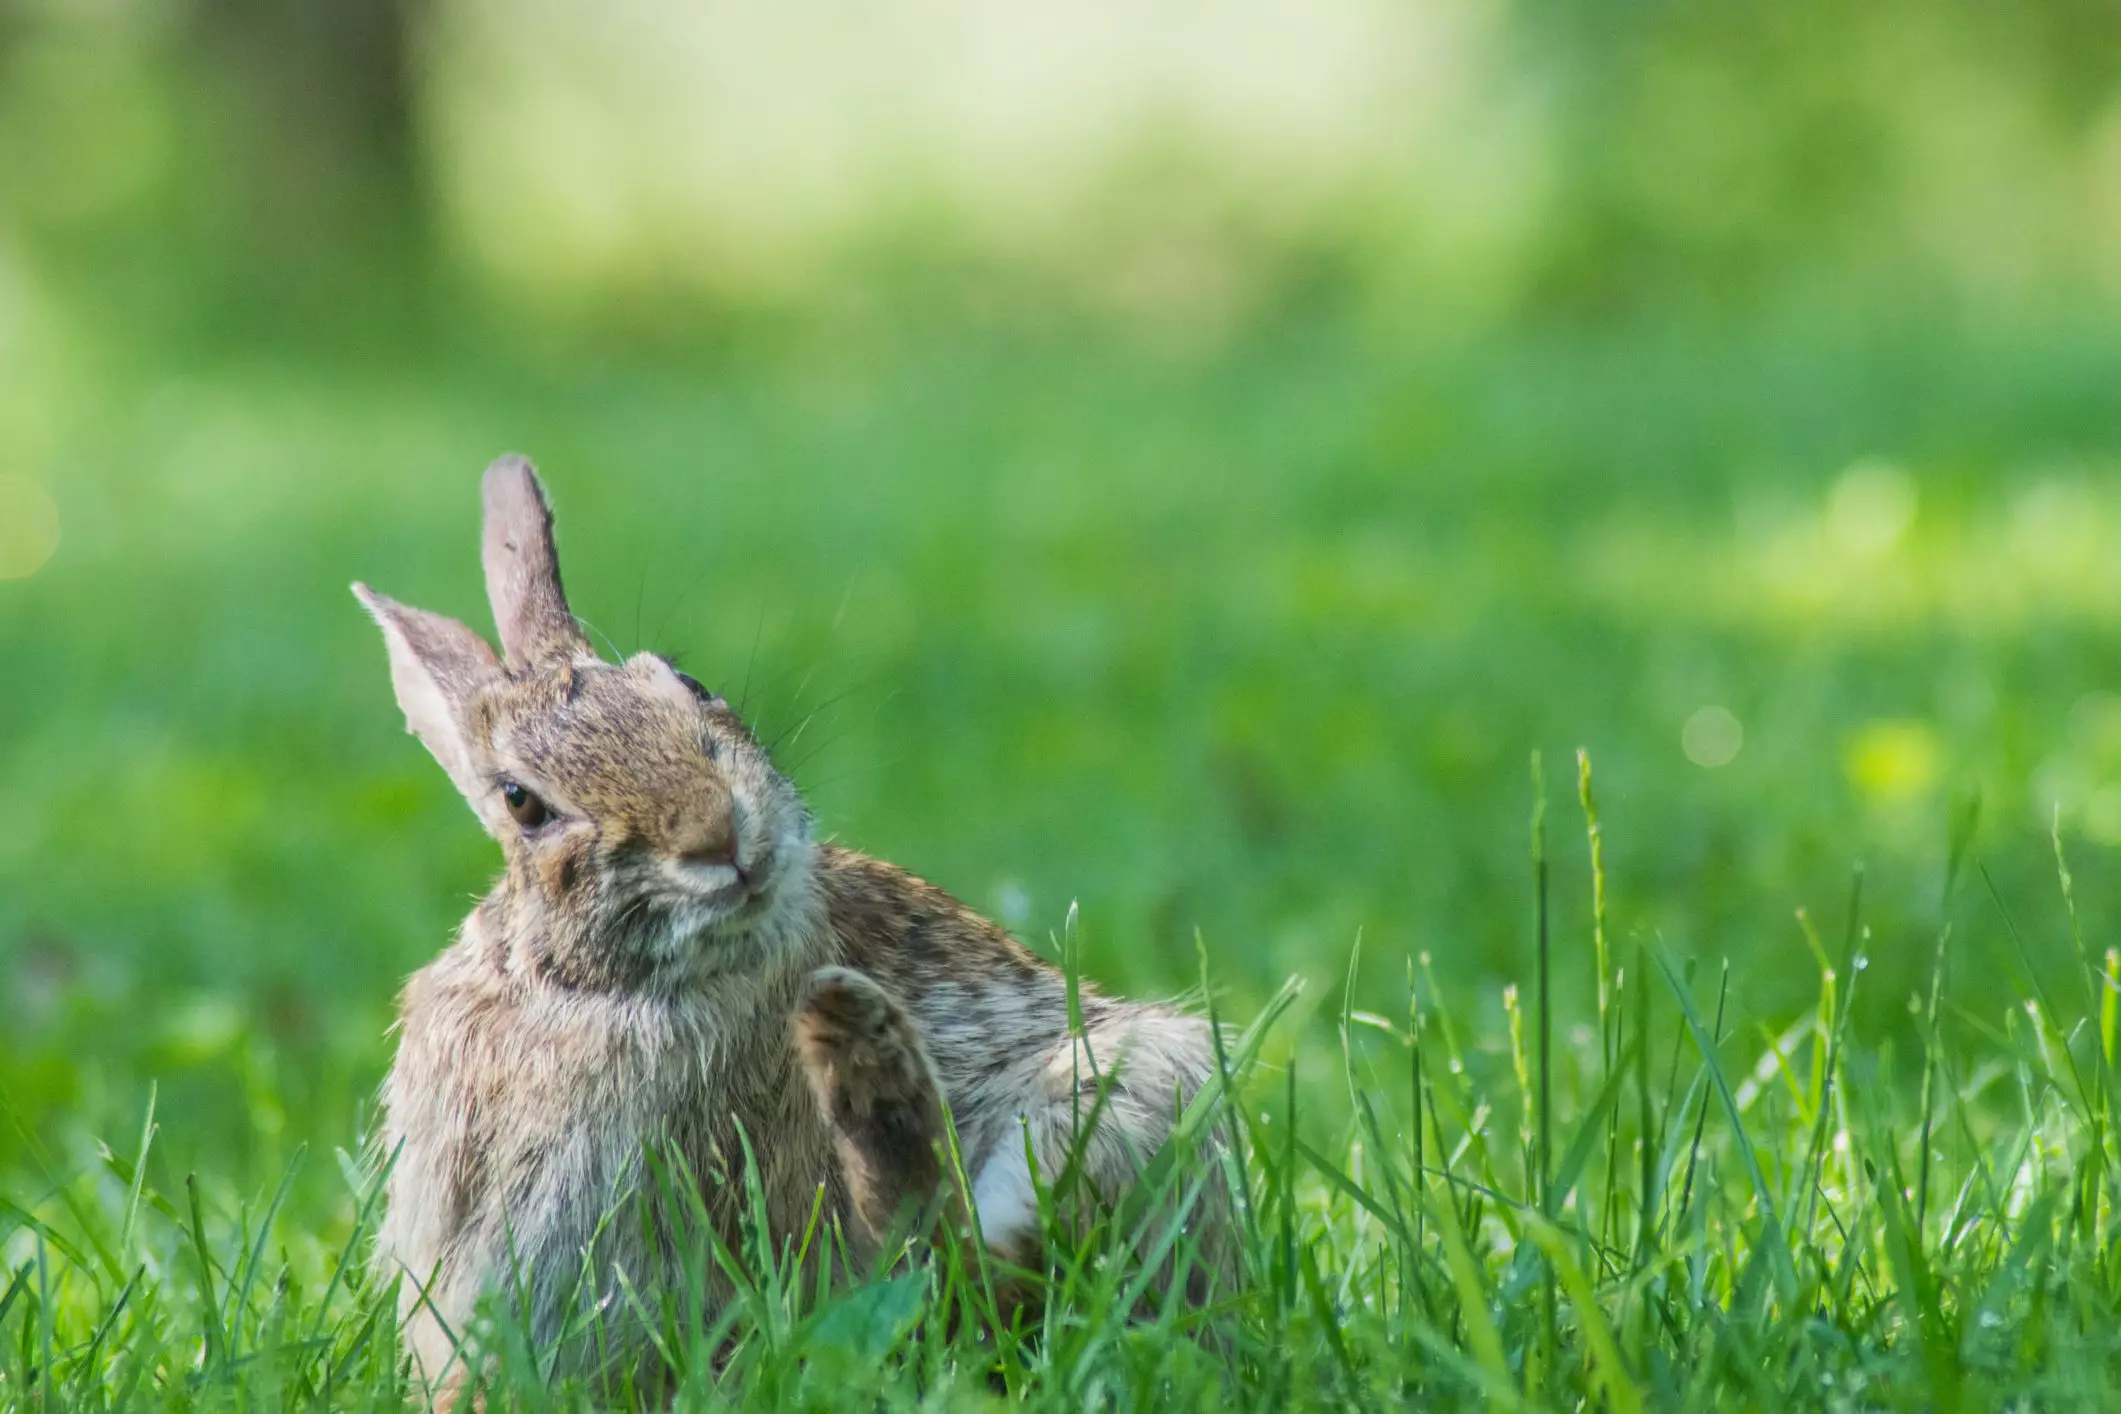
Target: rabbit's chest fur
<point>521,1116</point>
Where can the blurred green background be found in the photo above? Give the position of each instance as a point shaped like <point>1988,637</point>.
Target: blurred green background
<point>1178,459</point>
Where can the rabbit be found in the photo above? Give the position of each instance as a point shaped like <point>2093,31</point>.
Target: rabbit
<point>672,958</point>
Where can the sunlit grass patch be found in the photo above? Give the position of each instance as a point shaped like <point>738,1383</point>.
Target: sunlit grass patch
<point>1869,555</point>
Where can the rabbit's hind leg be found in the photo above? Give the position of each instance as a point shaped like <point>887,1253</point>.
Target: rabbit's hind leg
<point>1092,1113</point>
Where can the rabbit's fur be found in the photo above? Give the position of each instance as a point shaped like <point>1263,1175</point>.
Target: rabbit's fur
<point>671,962</point>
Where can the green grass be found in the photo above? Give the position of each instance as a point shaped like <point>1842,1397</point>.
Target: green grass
<point>1251,642</point>
<point>1676,1215</point>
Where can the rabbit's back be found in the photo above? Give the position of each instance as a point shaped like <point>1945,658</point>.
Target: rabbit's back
<point>994,1018</point>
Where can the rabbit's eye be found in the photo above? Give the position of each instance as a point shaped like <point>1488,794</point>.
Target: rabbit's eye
<point>699,690</point>
<point>529,811</point>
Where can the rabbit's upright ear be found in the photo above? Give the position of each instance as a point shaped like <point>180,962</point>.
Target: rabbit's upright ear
<point>436,664</point>
<point>523,570</point>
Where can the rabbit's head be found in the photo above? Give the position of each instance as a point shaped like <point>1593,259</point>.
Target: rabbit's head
<point>649,839</point>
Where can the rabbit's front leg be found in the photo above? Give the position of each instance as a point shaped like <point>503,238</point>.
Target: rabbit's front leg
<point>877,1092</point>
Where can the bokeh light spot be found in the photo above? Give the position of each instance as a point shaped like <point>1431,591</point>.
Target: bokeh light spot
<point>1712,737</point>
<point>2095,723</point>
<point>1870,507</point>
<point>29,527</point>
<point>2102,814</point>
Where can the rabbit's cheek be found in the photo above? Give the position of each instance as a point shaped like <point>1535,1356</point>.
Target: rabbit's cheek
<point>563,868</point>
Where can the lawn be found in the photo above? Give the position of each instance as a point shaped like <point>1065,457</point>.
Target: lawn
<point>1235,657</point>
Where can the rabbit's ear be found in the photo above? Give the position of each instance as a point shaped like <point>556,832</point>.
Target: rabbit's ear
<point>523,570</point>
<point>436,664</point>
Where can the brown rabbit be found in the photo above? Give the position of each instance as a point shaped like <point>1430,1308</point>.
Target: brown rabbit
<point>671,957</point>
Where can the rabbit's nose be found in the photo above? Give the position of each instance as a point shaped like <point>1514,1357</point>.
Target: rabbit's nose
<point>708,837</point>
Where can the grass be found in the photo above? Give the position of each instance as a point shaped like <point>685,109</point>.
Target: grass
<point>1128,645</point>
<point>1675,1214</point>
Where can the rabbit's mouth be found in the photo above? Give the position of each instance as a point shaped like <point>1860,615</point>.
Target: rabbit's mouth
<point>719,897</point>
<point>748,875</point>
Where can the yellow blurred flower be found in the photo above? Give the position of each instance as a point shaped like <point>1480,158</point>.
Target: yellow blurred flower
<point>1894,760</point>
